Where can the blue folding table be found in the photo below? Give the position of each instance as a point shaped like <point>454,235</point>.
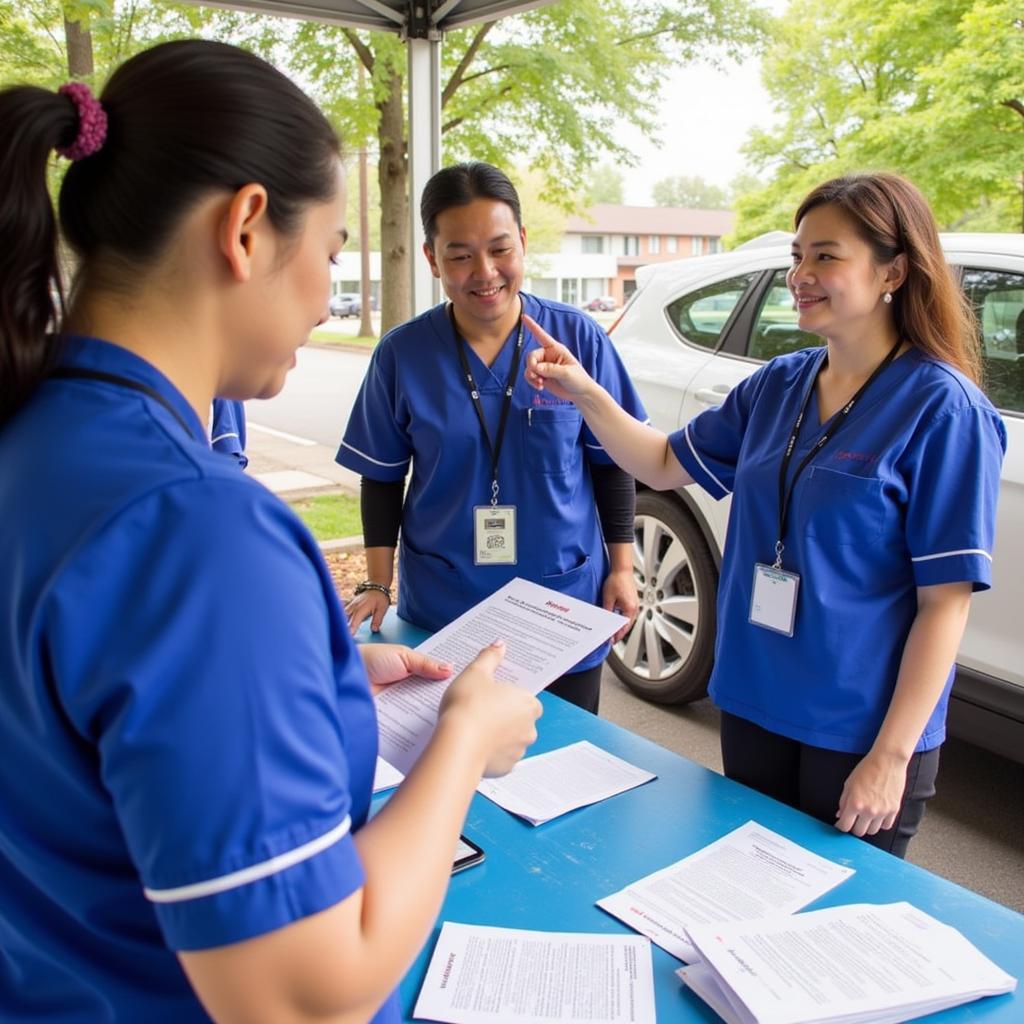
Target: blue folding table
<point>548,877</point>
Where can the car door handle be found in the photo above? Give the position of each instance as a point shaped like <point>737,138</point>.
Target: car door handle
<point>713,395</point>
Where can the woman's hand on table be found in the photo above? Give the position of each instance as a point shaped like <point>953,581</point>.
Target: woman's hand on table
<point>372,605</point>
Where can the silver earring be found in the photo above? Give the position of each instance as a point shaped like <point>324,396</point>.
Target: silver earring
<point>887,298</point>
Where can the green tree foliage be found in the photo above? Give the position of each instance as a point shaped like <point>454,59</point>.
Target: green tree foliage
<point>543,218</point>
<point>930,88</point>
<point>605,185</point>
<point>33,43</point>
<point>547,89</point>
<point>689,191</point>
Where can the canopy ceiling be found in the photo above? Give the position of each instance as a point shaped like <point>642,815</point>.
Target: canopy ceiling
<point>414,19</point>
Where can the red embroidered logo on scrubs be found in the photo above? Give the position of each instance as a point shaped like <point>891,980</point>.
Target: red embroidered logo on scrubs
<point>546,399</point>
<point>847,456</point>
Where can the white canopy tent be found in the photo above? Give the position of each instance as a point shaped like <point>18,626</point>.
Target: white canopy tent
<point>422,24</point>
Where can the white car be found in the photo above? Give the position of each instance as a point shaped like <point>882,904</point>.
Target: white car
<point>692,331</point>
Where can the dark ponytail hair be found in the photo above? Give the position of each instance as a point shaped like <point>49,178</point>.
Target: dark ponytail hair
<point>892,216</point>
<point>33,122</point>
<point>186,119</point>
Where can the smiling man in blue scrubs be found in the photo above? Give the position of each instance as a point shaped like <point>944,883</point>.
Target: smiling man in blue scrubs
<point>506,481</point>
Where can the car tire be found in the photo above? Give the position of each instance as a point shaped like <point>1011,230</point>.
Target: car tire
<point>667,656</point>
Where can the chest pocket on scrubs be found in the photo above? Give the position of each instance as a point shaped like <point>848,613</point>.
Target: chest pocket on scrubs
<point>841,508</point>
<point>551,438</point>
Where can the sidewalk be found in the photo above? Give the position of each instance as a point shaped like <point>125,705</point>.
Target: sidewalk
<point>293,467</point>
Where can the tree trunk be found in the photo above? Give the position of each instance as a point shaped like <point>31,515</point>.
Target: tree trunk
<point>79,43</point>
<point>365,306</point>
<point>393,175</point>
<point>365,321</point>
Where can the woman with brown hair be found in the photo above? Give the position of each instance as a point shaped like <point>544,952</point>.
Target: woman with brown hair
<point>864,476</point>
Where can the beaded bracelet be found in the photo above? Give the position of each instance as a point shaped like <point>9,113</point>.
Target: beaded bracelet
<point>370,585</point>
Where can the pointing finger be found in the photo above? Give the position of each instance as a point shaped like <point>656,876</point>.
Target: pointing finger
<point>538,332</point>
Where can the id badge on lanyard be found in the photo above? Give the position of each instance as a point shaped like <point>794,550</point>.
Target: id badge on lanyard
<point>494,535</point>
<point>494,525</point>
<point>774,592</point>
<point>773,601</point>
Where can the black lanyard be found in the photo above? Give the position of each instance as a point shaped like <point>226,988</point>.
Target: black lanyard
<point>65,373</point>
<point>494,450</point>
<point>832,429</point>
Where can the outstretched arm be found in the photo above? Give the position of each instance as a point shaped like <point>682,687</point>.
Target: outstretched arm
<point>639,449</point>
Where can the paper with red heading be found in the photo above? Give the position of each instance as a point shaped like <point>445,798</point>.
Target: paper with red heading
<point>546,633</point>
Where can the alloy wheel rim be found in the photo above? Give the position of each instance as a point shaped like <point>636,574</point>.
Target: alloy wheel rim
<point>661,640</point>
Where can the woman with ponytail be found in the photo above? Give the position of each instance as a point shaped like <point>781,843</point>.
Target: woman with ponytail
<point>864,476</point>
<point>185,781</point>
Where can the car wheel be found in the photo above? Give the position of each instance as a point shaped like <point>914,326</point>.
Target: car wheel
<point>667,656</point>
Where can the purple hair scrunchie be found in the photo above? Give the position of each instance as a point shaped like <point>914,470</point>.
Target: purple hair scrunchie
<point>92,122</point>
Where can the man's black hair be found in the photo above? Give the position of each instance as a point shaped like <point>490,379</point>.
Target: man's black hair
<point>459,185</point>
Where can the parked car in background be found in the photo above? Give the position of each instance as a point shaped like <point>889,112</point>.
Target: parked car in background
<point>692,331</point>
<point>346,304</point>
<point>602,304</point>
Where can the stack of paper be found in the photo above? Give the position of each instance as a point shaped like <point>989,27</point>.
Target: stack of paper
<point>859,964</point>
<point>547,785</point>
<point>749,874</point>
<point>480,974</point>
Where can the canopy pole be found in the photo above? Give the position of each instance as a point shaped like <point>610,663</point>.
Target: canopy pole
<point>424,155</point>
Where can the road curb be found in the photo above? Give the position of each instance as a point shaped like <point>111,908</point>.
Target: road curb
<point>341,544</point>
<point>340,346</point>
<point>325,491</point>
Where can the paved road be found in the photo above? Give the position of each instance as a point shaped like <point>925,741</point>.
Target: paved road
<point>317,396</point>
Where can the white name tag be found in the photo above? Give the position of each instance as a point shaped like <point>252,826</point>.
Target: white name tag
<point>494,534</point>
<point>773,603</point>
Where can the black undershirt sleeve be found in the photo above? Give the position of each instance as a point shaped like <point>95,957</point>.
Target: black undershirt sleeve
<point>380,503</point>
<point>615,497</point>
<point>614,494</point>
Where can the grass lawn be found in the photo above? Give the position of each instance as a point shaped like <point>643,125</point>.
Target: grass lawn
<point>330,516</point>
<point>334,338</point>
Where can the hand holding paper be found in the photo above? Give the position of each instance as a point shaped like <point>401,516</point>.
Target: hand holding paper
<point>545,634</point>
<point>492,708</point>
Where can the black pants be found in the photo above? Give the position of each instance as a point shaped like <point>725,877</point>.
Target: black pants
<point>811,778</point>
<point>580,688</point>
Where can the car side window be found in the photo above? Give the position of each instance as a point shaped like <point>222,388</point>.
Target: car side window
<point>775,331</point>
<point>998,300</point>
<point>700,316</point>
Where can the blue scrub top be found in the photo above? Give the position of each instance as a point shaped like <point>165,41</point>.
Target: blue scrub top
<point>181,769</point>
<point>414,407</point>
<point>227,429</point>
<point>903,496</point>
